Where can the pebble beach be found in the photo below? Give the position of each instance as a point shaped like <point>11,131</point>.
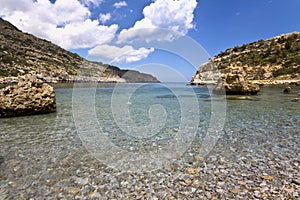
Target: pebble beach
<point>255,157</point>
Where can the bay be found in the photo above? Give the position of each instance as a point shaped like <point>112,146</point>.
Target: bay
<point>113,129</point>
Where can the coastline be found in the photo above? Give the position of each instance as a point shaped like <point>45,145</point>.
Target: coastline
<point>276,82</point>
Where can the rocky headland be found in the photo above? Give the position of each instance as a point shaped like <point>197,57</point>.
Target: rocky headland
<point>22,53</point>
<point>242,69</point>
<point>30,96</point>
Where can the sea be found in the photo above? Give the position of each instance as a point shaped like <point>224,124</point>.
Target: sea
<point>141,127</point>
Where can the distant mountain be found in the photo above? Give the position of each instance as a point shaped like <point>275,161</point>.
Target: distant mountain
<point>22,53</point>
<point>272,61</point>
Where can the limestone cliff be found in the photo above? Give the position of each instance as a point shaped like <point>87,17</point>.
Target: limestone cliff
<point>272,61</point>
<point>22,53</point>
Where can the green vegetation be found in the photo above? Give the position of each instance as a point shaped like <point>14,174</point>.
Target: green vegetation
<point>21,52</point>
<point>286,70</point>
<point>281,51</point>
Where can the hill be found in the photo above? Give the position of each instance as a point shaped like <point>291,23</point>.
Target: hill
<point>22,53</point>
<point>272,61</point>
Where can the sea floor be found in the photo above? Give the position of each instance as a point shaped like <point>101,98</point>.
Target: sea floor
<point>256,154</point>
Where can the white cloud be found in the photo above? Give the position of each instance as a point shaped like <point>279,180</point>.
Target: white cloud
<point>83,35</point>
<point>172,15</point>
<point>92,2</point>
<point>120,4</point>
<point>116,54</point>
<point>65,22</point>
<point>68,24</point>
<point>15,5</point>
<point>104,17</point>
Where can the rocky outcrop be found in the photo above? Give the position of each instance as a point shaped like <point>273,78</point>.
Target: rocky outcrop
<point>28,97</point>
<point>22,53</point>
<point>234,83</point>
<point>265,62</point>
<point>229,81</point>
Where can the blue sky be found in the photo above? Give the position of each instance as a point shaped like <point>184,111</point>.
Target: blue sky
<point>133,33</point>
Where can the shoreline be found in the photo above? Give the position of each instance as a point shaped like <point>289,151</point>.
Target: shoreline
<point>275,82</point>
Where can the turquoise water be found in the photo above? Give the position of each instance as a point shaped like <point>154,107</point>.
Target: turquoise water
<point>105,126</point>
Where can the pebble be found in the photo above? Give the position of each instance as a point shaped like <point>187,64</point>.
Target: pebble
<point>1,160</point>
<point>267,177</point>
<point>208,195</point>
<point>297,182</point>
<point>220,191</point>
<point>241,183</point>
<point>192,171</point>
<point>235,190</point>
<point>74,191</point>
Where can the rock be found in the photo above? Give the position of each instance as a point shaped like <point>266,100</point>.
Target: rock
<point>242,183</point>
<point>297,99</point>
<point>267,177</point>
<point>74,191</point>
<point>297,182</point>
<point>192,171</point>
<point>234,83</point>
<point>287,90</point>
<point>1,160</point>
<point>28,97</point>
<point>235,190</point>
<point>242,98</point>
<point>231,80</point>
<point>264,195</point>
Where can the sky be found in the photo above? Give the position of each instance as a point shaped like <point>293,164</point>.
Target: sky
<point>167,38</point>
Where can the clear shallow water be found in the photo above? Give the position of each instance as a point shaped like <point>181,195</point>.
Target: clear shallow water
<point>46,155</point>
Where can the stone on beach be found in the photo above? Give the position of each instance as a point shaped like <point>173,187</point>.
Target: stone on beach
<point>28,97</point>
<point>1,160</point>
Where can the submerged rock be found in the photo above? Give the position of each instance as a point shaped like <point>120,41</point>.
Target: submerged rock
<point>242,98</point>
<point>167,96</point>
<point>28,97</point>
<point>297,99</point>
<point>287,90</point>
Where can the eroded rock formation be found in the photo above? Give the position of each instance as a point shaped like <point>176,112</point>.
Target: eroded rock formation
<point>28,97</point>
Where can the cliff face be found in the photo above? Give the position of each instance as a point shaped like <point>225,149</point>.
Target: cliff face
<point>22,53</point>
<point>272,61</point>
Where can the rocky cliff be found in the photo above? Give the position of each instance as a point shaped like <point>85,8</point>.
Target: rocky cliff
<point>272,61</point>
<point>22,53</point>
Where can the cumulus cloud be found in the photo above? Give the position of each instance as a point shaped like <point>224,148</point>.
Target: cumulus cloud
<point>65,22</point>
<point>172,15</point>
<point>68,24</point>
<point>92,2</point>
<point>116,54</point>
<point>120,4</point>
<point>83,35</point>
<point>104,17</point>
